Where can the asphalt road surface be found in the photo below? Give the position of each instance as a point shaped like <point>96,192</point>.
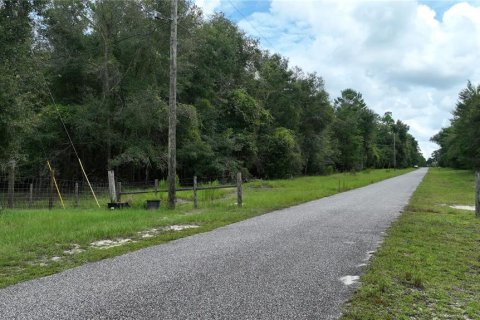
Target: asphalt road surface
<point>287,264</point>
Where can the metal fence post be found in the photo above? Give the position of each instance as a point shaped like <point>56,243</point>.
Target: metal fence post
<point>119,191</point>
<point>11,184</point>
<point>30,196</point>
<point>477,195</point>
<point>75,196</point>
<point>195,200</point>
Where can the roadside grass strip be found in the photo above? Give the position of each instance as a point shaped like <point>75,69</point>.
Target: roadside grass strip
<point>36,243</point>
<point>429,265</point>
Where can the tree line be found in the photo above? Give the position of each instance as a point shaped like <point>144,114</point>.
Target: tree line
<point>460,141</point>
<point>100,69</point>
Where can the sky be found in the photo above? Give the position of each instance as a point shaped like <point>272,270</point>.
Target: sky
<point>409,57</point>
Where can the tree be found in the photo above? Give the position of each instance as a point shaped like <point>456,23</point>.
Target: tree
<point>281,154</point>
<point>240,108</point>
<point>20,78</point>
<point>348,110</point>
<point>460,142</point>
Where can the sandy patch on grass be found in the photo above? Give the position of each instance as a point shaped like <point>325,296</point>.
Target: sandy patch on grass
<point>180,227</point>
<point>74,250</point>
<point>105,244</point>
<point>458,206</point>
<point>155,231</point>
<point>463,207</point>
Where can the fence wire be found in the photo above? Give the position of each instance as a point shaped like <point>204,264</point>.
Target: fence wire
<point>38,192</point>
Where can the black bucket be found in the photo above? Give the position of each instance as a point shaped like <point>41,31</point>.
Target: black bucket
<point>153,204</point>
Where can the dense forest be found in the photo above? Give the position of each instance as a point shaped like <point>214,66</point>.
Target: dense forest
<point>460,142</point>
<point>102,67</point>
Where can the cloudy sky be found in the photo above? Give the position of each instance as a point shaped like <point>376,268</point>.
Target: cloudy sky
<point>410,57</point>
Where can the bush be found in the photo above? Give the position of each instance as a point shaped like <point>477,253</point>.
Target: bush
<point>330,170</point>
<point>281,154</point>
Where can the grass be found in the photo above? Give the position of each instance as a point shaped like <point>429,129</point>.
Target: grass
<point>29,239</point>
<point>429,265</point>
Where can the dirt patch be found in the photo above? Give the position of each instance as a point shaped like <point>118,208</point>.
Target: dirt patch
<point>155,231</point>
<point>180,227</point>
<point>74,250</point>
<point>105,244</point>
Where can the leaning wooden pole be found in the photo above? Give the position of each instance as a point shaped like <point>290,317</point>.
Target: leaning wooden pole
<point>51,191</point>
<point>172,114</point>
<point>56,184</point>
<point>88,181</point>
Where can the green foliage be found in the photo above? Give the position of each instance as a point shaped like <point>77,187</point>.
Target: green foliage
<point>106,63</point>
<point>460,142</point>
<point>21,84</point>
<point>283,152</point>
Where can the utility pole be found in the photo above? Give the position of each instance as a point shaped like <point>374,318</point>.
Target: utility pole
<point>172,113</point>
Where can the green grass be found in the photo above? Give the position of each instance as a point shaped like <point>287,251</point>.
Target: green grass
<point>30,238</point>
<point>429,265</point>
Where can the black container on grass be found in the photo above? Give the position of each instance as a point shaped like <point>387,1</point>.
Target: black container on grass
<point>118,205</point>
<point>153,204</point>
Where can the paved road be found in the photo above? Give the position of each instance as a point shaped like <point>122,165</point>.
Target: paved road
<point>283,265</point>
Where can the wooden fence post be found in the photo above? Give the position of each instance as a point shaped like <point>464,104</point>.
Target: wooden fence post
<point>11,184</point>
<point>51,191</point>
<point>239,189</point>
<point>477,195</point>
<point>119,191</point>
<point>111,186</point>
<point>75,196</point>
<point>156,188</point>
<point>30,196</point>
<point>195,199</point>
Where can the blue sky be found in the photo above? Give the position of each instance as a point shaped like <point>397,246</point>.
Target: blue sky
<point>442,6</point>
<point>411,57</point>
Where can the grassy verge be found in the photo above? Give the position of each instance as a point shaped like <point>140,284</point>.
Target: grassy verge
<point>429,265</point>
<point>35,243</point>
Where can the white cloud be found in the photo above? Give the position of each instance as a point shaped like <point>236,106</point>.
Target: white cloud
<point>398,54</point>
<point>208,6</point>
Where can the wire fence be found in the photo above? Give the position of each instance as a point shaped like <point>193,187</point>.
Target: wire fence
<point>41,192</point>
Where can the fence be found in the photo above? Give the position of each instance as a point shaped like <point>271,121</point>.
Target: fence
<point>28,192</point>
<point>41,192</point>
<point>116,191</point>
